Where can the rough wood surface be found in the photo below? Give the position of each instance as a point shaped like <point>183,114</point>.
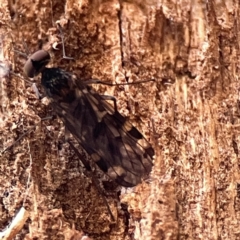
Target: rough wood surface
<point>190,114</point>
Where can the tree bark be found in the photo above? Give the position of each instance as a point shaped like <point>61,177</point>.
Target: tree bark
<point>190,114</point>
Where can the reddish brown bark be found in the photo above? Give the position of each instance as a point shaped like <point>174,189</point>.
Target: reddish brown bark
<point>190,114</point>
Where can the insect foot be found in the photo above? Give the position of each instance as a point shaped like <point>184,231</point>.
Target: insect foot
<point>116,146</point>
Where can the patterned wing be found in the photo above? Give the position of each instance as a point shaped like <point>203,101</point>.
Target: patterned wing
<point>117,147</point>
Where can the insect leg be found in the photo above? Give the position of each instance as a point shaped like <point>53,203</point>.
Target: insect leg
<point>25,80</point>
<point>95,181</point>
<point>62,40</point>
<point>80,156</point>
<point>24,134</point>
<point>25,55</point>
<point>111,98</point>
<point>97,81</point>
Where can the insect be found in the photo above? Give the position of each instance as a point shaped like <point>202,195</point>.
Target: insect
<point>116,146</point>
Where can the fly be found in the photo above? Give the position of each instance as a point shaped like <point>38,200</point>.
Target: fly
<point>113,143</point>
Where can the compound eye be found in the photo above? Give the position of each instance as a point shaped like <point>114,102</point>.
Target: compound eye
<point>36,63</point>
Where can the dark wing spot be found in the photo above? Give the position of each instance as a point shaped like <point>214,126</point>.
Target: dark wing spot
<point>135,133</point>
<point>149,151</point>
<point>113,148</point>
<point>101,163</point>
<point>120,119</point>
<point>99,128</point>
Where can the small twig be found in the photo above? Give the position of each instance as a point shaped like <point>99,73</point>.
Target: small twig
<point>16,225</point>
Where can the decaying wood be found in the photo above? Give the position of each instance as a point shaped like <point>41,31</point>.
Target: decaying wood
<point>190,114</point>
